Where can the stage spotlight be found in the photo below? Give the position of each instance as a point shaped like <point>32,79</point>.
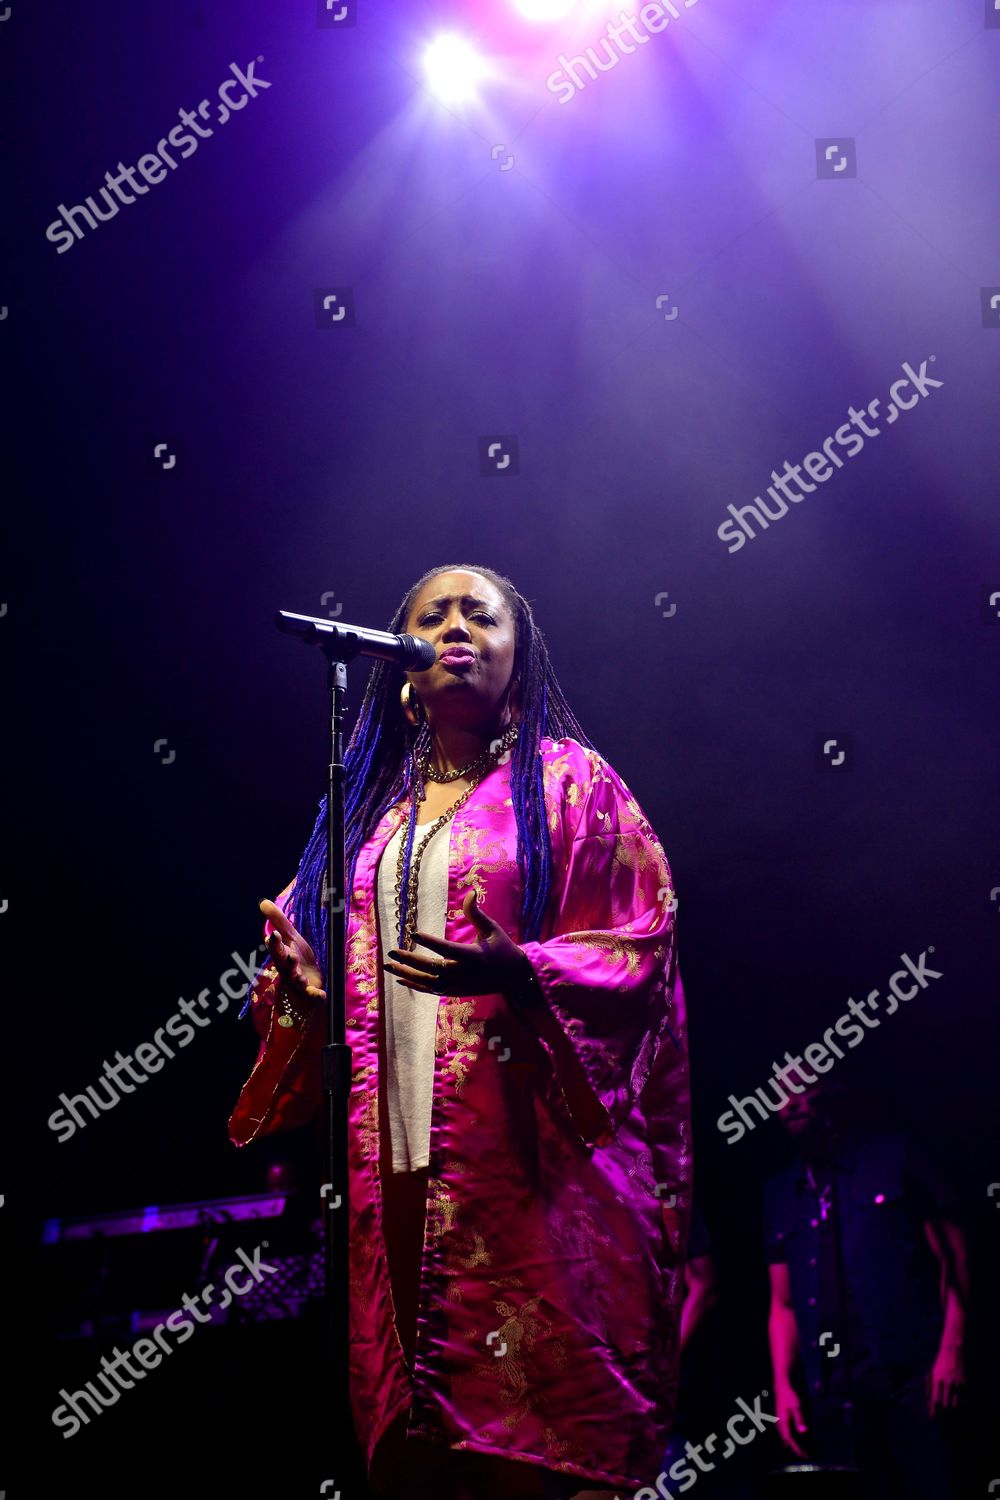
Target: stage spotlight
<point>544,10</point>
<point>453,68</point>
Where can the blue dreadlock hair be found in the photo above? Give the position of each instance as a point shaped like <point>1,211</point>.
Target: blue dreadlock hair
<point>384,750</point>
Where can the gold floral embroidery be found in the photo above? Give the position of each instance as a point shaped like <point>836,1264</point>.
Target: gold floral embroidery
<point>361,1266</point>
<point>442,1210</point>
<point>474,1253</point>
<point>504,1281</point>
<point>553,772</point>
<point>366,1115</point>
<point>554,1446</point>
<point>361,962</point>
<point>634,852</point>
<point>493,807</point>
<point>619,950</point>
<point>597,765</point>
<point>519,1333</point>
<point>635,817</point>
<point>456,1029</point>
<point>480,852</point>
<point>516,1329</point>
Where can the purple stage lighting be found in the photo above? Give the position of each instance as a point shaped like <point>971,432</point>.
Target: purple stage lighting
<point>453,68</point>
<point>544,10</point>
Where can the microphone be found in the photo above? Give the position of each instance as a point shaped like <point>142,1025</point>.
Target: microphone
<point>411,652</point>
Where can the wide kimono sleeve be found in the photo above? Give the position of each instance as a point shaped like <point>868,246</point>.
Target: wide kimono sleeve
<point>606,968</point>
<point>284,1088</point>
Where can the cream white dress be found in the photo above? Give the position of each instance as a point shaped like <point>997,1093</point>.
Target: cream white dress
<point>411,1017</point>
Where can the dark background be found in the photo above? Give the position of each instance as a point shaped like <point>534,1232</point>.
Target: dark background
<point>343,461</point>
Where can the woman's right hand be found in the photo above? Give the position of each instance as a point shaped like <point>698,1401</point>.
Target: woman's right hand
<point>791,1422</point>
<point>292,956</point>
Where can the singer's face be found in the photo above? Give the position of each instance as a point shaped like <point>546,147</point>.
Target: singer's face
<point>466,619</point>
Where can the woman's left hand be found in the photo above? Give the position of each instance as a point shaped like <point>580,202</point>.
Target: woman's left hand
<point>492,964</point>
<point>946,1381</point>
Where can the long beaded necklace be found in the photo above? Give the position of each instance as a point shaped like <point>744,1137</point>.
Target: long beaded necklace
<point>477,769</point>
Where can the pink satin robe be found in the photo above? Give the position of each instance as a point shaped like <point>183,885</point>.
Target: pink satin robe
<point>548,1321</point>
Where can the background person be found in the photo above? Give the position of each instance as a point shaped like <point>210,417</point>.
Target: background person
<point>869,1289</point>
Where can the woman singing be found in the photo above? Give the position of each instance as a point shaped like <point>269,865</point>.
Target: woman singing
<point>519,1146</point>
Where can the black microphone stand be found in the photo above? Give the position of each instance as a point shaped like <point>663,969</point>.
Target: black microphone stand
<point>336,1055</point>
<point>340,645</point>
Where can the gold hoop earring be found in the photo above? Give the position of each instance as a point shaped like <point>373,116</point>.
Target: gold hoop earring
<point>412,708</point>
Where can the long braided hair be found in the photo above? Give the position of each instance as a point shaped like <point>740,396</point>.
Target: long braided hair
<point>384,749</point>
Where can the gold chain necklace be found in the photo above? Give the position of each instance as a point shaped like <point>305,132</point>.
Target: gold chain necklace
<point>484,764</point>
<point>428,773</point>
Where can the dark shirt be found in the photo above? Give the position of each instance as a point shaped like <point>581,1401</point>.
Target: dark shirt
<point>861,1270</point>
<point>853,1369</point>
